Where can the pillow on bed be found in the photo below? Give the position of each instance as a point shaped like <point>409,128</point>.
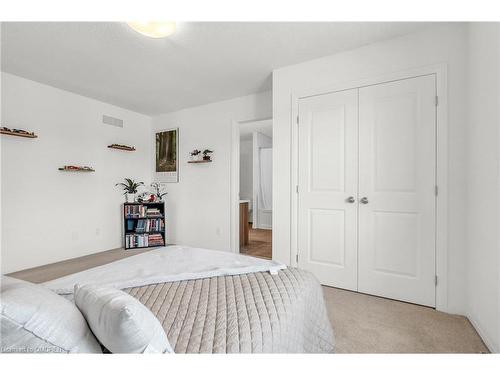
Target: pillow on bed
<point>33,319</point>
<point>120,322</point>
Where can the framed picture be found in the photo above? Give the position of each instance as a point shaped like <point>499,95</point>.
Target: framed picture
<point>167,155</point>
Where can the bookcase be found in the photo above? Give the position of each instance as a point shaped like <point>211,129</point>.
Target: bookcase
<point>144,225</point>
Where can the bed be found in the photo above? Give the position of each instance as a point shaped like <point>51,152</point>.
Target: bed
<point>217,302</point>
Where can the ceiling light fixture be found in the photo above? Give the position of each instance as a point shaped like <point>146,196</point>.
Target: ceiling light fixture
<point>153,29</point>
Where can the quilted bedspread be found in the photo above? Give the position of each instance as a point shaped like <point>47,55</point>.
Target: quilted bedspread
<point>247,313</point>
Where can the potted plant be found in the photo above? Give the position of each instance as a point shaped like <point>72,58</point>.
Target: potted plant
<point>129,189</point>
<point>158,191</point>
<point>206,154</point>
<point>195,154</point>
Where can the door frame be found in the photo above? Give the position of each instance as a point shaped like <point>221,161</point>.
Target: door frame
<point>235,181</point>
<point>441,240</point>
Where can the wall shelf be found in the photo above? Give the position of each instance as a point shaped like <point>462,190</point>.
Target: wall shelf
<point>199,161</point>
<point>122,147</point>
<point>67,168</point>
<point>16,134</point>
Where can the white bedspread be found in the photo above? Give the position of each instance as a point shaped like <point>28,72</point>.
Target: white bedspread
<point>166,264</point>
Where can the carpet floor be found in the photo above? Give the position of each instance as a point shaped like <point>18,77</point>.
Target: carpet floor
<point>368,324</point>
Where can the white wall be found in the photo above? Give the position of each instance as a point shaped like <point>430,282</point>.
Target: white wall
<point>483,293</point>
<point>246,169</point>
<point>445,45</point>
<point>49,215</point>
<point>198,207</point>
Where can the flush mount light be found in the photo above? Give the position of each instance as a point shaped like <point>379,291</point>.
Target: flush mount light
<point>153,29</point>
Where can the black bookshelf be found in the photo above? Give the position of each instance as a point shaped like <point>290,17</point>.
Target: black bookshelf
<point>141,227</point>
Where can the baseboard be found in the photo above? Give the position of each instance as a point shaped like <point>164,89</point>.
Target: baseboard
<point>488,341</point>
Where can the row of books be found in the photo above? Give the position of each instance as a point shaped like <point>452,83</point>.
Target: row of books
<point>149,225</point>
<point>143,240</point>
<point>153,212</point>
<point>137,210</point>
<point>156,240</point>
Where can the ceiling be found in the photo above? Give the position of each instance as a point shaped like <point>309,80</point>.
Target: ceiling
<point>201,63</point>
<point>263,126</point>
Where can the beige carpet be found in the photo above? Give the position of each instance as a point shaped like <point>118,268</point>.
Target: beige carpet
<point>368,324</point>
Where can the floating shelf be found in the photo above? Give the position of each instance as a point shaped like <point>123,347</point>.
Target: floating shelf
<point>76,169</point>
<point>122,147</point>
<point>199,161</point>
<point>16,134</point>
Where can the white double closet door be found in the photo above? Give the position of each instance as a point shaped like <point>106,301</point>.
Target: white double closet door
<point>366,202</point>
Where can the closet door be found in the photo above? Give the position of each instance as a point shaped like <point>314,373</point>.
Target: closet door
<point>397,162</point>
<point>328,179</point>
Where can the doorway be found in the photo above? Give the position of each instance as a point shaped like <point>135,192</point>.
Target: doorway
<point>254,198</point>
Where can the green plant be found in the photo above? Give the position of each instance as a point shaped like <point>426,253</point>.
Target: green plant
<point>129,186</point>
<point>206,154</point>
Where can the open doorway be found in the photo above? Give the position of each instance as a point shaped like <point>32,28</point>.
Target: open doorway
<point>255,188</point>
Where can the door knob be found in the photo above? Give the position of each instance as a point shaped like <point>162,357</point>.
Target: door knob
<point>350,200</point>
<point>363,200</point>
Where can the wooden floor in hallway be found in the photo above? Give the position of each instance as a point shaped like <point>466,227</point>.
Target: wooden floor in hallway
<point>259,243</point>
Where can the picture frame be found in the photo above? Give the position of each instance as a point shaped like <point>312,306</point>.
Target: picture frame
<point>166,163</point>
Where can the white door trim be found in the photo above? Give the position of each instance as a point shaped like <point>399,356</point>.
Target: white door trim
<point>440,70</point>
<point>234,203</point>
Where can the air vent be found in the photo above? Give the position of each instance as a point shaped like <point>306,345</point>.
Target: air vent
<point>112,121</point>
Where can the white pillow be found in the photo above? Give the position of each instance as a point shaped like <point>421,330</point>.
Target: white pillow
<point>120,322</point>
<point>33,319</point>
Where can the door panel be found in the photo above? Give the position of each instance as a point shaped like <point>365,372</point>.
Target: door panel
<point>397,153</point>
<point>328,175</point>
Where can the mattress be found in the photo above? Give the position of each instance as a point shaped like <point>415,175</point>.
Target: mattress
<point>246,313</point>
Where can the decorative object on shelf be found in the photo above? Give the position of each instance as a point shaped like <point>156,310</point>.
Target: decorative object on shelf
<point>166,155</point>
<point>195,155</point>
<point>159,191</point>
<point>143,197</point>
<point>17,132</point>
<point>130,189</point>
<point>144,225</point>
<point>74,168</point>
<point>122,147</point>
<point>206,154</point>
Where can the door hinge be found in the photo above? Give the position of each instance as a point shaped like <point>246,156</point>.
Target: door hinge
<point>435,280</point>
<point>297,189</point>
<point>297,257</point>
<point>437,100</point>
<point>297,120</point>
<point>436,190</point>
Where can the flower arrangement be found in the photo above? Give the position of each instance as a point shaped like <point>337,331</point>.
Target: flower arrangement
<point>159,191</point>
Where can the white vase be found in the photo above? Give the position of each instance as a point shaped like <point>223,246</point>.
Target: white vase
<point>130,198</point>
